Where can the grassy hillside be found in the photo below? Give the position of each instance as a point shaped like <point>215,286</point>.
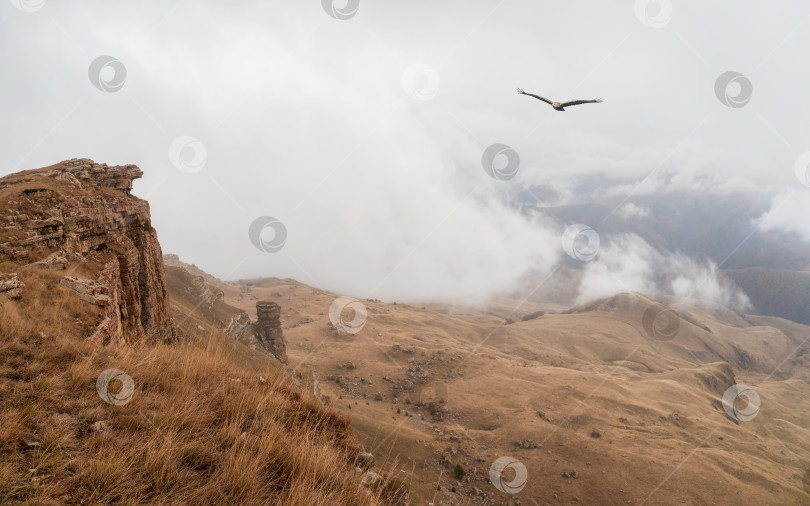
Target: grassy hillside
<point>638,418</point>
<point>208,421</point>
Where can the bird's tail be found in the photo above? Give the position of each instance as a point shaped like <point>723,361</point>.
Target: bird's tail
<point>521,91</point>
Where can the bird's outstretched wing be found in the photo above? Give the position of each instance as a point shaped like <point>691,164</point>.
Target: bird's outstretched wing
<point>538,97</point>
<point>577,102</point>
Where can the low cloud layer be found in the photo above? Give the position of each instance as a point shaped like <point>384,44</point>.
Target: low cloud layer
<point>628,263</point>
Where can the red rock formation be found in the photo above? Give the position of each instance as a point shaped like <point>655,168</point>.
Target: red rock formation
<point>85,210</point>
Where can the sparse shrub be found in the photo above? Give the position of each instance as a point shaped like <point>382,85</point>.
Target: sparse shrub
<point>458,472</point>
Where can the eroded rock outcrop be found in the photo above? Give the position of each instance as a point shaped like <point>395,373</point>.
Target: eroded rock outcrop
<point>265,333</point>
<point>267,330</point>
<point>198,291</point>
<point>82,212</point>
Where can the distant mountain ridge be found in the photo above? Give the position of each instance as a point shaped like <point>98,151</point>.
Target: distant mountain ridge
<point>720,228</point>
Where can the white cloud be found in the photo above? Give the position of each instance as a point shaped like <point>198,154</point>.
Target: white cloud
<point>627,263</point>
<point>789,212</point>
<point>631,210</point>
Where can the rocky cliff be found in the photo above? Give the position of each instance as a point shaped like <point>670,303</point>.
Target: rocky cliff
<point>79,217</point>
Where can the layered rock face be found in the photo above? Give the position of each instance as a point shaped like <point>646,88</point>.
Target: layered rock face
<point>267,330</point>
<point>80,211</point>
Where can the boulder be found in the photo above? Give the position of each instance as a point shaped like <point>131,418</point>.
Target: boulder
<point>371,479</point>
<point>365,460</point>
<point>10,286</point>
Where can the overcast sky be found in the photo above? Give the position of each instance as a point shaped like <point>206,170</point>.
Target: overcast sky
<point>364,136</point>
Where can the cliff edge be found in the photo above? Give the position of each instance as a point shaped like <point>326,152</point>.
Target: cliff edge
<point>79,218</point>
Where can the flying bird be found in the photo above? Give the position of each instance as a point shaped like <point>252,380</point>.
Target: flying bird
<point>560,106</point>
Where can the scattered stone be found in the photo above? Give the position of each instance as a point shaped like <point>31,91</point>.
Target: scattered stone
<point>371,479</point>
<point>99,426</point>
<point>527,444</point>
<point>444,461</point>
<point>10,286</point>
<point>396,347</point>
<point>570,474</point>
<point>57,260</point>
<point>365,460</point>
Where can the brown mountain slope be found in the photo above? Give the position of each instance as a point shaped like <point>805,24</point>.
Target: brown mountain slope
<point>639,418</point>
<point>104,401</point>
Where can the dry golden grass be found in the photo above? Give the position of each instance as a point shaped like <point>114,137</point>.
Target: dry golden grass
<point>554,380</point>
<point>199,429</point>
<point>46,307</point>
